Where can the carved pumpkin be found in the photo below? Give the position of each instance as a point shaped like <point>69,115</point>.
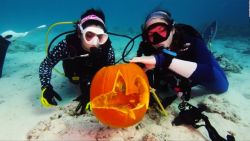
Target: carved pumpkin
<point>119,95</point>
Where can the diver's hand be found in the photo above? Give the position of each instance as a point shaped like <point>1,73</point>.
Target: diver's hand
<point>164,59</point>
<point>80,109</point>
<point>48,97</point>
<point>148,61</point>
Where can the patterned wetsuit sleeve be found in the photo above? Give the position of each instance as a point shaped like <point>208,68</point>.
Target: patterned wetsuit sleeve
<point>58,53</point>
<point>111,56</point>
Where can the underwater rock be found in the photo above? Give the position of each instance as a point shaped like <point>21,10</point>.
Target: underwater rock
<point>63,125</point>
<point>139,126</point>
<point>247,51</point>
<point>215,104</point>
<point>57,127</point>
<point>154,115</point>
<point>149,137</point>
<point>42,127</point>
<point>21,46</point>
<point>14,34</point>
<point>227,65</point>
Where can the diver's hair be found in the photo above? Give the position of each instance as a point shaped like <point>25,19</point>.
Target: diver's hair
<point>97,12</point>
<point>167,16</point>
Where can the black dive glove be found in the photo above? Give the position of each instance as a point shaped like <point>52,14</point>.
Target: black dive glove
<point>83,99</point>
<point>48,97</point>
<point>81,107</point>
<point>164,58</point>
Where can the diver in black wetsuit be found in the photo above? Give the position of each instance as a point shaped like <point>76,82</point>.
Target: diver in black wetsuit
<point>176,56</point>
<point>83,53</point>
<point>4,44</point>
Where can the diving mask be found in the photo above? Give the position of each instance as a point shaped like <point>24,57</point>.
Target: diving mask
<point>94,35</point>
<point>157,33</point>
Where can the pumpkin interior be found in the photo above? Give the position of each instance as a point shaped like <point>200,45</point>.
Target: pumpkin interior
<point>119,99</point>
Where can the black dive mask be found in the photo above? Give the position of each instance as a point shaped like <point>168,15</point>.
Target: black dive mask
<point>157,33</point>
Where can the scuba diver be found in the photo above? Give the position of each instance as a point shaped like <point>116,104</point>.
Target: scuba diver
<point>83,53</point>
<point>176,58</point>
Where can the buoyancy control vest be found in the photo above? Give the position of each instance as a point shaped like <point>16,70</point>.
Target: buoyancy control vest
<point>80,63</point>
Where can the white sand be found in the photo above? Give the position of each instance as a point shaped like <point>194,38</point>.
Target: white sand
<point>23,118</point>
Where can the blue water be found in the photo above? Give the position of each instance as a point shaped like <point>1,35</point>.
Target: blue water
<point>22,15</point>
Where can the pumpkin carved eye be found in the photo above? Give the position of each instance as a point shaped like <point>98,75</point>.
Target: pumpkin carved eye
<point>120,86</point>
<point>120,95</point>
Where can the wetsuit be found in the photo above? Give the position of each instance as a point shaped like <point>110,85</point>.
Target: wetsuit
<point>189,46</point>
<point>4,44</point>
<point>69,51</point>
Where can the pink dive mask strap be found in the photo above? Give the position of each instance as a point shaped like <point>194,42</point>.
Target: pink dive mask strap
<point>91,17</point>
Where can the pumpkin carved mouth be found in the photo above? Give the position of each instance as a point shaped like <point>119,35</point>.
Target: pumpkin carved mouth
<point>127,100</point>
<point>119,100</point>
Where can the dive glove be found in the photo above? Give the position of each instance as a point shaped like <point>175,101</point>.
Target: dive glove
<point>164,58</point>
<point>81,107</point>
<point>48,97</point>
<point>83,99</point>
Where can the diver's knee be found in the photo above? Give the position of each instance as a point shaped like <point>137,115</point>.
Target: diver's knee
<point>222,88</point>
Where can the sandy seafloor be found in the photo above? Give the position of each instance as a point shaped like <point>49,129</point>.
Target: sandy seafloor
<point>23,117</point>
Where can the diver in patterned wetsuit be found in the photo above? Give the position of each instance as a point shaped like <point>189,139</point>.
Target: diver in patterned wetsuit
<point>175,56</point>
<point>83,53</point>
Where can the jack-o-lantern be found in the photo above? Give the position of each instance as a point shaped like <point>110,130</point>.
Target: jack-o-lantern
<point>119,95</point>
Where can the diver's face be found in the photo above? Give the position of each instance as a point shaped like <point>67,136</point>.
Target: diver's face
<point>92,36</point>
<point>159,33</point>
